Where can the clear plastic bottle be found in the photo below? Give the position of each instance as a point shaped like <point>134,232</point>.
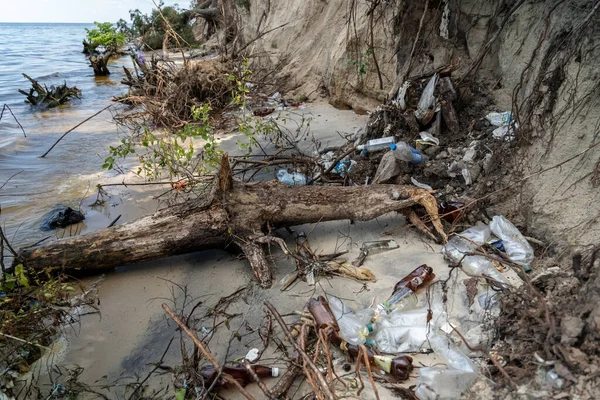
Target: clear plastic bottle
<point>451,354</point>
<point>377,144</point>
<point>294,178</point>
<point>402,151</point>
<point>353,327</point>
<point>401,339</point>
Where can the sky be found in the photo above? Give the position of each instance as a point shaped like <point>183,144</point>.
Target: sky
<point>75,10</point>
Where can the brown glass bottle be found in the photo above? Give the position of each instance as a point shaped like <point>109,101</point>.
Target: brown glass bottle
<point>240,374</point>
<point>451,211</point>
<point>321,312</point>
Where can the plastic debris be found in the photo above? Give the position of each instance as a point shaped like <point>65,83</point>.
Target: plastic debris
<point>252,355</point>
<point>426,106</point>
<point>428,137</point>
<point>377,144</point>
<point>499,119</point>
<point>388,168</point>
<point>445,21</point>
<point>293,179</point>
<point>506,132</point>
<point>458,249</point>
<point>449,382</point>
<point>517,247</point>
<point>464,171</point>
<point>402,151</point>
<point>400,100</point>
<point>419,184</point>
<point>353,327</point>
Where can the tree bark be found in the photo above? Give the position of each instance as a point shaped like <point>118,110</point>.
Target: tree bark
<point>238,213</point>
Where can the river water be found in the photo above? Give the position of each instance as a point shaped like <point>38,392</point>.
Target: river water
<point>51,53</point>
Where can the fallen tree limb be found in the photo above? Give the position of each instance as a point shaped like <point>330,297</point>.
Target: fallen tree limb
<point>238,213</point>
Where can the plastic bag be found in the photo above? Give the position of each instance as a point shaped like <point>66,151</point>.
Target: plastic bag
<point>517,247</point>
<point>353,327</point>
<point>427,100</point>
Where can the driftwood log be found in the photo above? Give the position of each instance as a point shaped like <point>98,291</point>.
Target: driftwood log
<point>52,97</point>
<point>100,64</point>
<point>234,213</point>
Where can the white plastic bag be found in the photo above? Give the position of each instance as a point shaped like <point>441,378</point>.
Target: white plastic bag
<point>499,119</point>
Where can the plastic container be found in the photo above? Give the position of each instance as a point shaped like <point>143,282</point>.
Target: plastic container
<point>402,151</point>
<point>293,179</point>
<point>517,247</point>
<point>377,144</point>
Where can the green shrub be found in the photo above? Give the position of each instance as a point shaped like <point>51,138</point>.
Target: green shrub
<point>105,34</point>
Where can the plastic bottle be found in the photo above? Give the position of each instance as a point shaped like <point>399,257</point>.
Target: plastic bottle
<point>401,339</point>
<point>451,354</point>
<point>240,374</point>
<point>294,178</point>
<point>353,327</point>
<point>404,152</point>
<point>517,247</point>
<point>377,144</point>
<point>407,286</point>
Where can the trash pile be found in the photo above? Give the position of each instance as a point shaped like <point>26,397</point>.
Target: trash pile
<point>442,140</point>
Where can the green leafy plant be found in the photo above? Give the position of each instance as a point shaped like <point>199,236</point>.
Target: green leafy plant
<point>106,35</point>
<point>360,64</point>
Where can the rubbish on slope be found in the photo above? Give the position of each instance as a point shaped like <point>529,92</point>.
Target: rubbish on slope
<point>292,179</point>
<point>402,151</point>
<point>426,106</point>
<point>377,144</point>
<point>517,247</point>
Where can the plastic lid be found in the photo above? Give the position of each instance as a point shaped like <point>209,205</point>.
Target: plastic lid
<point>274,371</point>
<point>393,146</point>
<point>369,342</point>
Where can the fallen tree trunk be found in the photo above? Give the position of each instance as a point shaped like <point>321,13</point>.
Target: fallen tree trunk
<point>238,213</point>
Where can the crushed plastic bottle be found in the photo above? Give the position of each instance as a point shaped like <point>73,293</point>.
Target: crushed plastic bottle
<point>293,179</point>
<point>402,151</point>
<point>441,383</point>
<point>517,247</point>
<point>449,382</point>
<point>458,247</point>
<point>377,144</point>
<point>353,327</point>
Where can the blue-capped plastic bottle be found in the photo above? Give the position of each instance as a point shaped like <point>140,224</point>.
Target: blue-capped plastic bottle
<point>402,151</point>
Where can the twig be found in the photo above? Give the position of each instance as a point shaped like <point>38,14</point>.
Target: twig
<point>16,120</point>
<point>414,46</point>
<point>260,383</point>
<point>73,128</point>
<point>502,371</point>
<point>322,383</point>
<point>363,350</point>
<point>23,341</point>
